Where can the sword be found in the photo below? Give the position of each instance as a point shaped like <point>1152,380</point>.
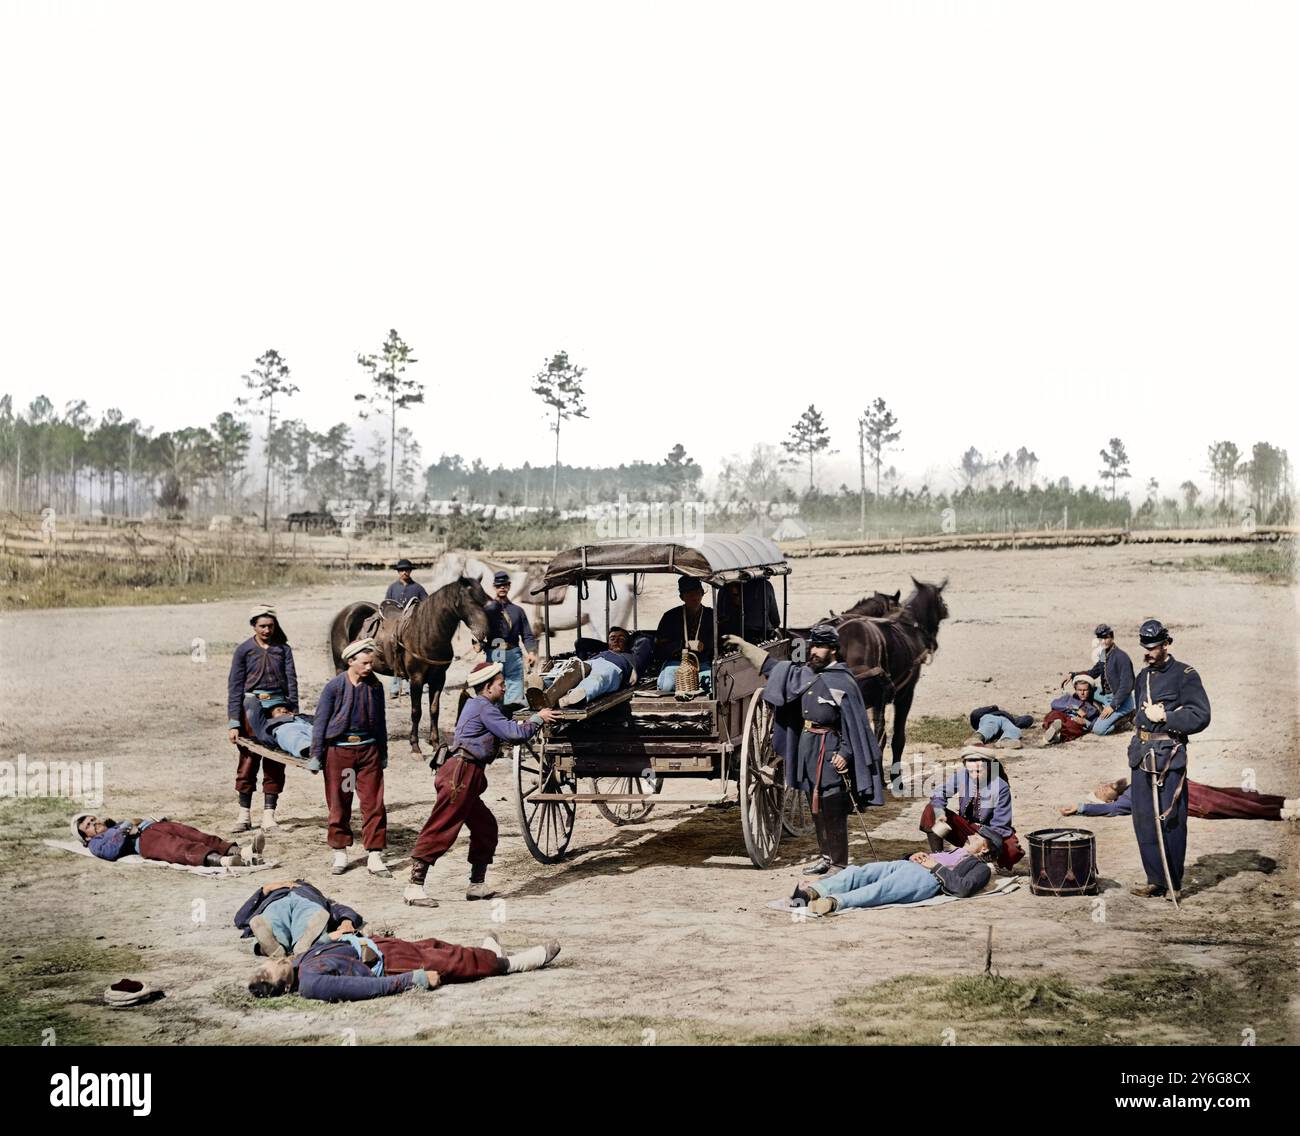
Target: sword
<point>1160,839</point>
<point>858,813</point>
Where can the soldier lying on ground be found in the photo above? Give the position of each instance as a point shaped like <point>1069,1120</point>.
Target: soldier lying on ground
<point>348,967</point>
<point>162,840</point>
<point>923,875</point>
<point>1209,802</point>
<point>288,916</point>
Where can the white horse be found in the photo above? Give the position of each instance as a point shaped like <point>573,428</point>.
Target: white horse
<point>563,601</point>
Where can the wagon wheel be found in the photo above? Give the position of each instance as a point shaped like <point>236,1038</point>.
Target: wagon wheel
<point>626,812</point>
<point>796,816</point>
<point>547,826</point>
<point>762,787</point>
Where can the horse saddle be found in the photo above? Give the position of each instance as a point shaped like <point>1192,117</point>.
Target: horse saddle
<point>386,627</point>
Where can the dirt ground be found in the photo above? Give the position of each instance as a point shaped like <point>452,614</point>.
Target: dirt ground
<point>664,930</point>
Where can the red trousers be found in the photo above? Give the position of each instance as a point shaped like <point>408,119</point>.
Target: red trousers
<point>359,767</point>
<point>1010,855</point>
<point>1071,727</point>
<point>460,786</point>
<point>1217,803</point>
<point>246,773</point>
<point>453,963</point>
<point>179,843</point>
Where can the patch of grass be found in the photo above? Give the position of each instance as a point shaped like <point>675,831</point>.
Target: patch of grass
<point>1267,563</point>
<point>169,577</point>
<point>24,1021</point>
<point>238,998</point>
<point>80,957</point>
<point>947,732</point>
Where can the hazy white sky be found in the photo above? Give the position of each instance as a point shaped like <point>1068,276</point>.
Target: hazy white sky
<point>1020,223</point>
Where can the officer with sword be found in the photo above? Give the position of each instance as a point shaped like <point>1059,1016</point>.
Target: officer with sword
<point>1172,705</point>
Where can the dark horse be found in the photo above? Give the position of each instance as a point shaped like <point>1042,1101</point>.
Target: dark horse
<point>886,653</point>
<point>425,651</point>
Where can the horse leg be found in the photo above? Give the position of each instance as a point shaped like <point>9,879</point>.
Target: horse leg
<point>902,705</point>
<point>417,696</point>
<point>436,682</point>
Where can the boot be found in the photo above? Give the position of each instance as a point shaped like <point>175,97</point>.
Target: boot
<point>339,865</point>
<point>244,821</point>
<point>1052,732</point>
<point>534,958</point>
<point>1149,891</point>
<point>837,830</point>
<point>316,927</point>
<point>415,895</point>
<point>268,820</point>
<point>479,889</point>
<point>822,864</point>
<point>375,865</point>
<point>493,944</point>
<point>935,842</point>
<point>271,946</point>
<point>574,674</point>
<point>825,906</point>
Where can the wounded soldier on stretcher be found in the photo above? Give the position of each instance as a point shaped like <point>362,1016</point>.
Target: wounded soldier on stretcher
<point>343,966</point>
<point>613,666</point>
<point>281,728</point>
<point>164,840</point>
<point>961,872</point>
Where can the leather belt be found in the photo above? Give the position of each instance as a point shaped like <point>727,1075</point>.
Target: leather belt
<point>353,739</point>
<point>1160,735</point>
<point>816,727</point>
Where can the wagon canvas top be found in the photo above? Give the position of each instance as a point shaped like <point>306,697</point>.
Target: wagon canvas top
<point>715,557</point>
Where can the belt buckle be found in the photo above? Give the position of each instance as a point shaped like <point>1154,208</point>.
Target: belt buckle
<point>354,737</point>
<point>263,697</point>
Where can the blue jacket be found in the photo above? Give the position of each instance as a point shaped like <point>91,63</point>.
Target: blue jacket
<point>253,668</point>
<point>256,903</point>
<point>403,593</point>
<point>482,727</point>
<point>994,801</point>
<point>1122,806</point>
<point>114,843</point>
<point>332,972</point>
<point>1068,704</point>
<point>1187,711</point>
<point>1116,674</point>
<point>343,706</point>
<point>510,624</point>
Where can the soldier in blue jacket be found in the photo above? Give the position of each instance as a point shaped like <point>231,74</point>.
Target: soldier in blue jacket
<point>1115,672</point>
<point>1171,706</point>
<point>262,677</point>
<point>513,643</point>
<point>350,744</point>
<point>402,591</point>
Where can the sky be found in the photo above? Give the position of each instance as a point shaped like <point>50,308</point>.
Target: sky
<point>1039,224</point>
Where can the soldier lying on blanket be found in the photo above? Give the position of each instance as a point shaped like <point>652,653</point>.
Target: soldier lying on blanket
<point>923,875</point>
<point>347,967</point>
<point>1209,802</point>
<point>620,665</point>
<point>162,840</point>
<point>288,916</point>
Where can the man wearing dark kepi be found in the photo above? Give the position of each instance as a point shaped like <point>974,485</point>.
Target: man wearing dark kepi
<point>402,591</point>
<point>686,627</point>
<point>1114,670</point>
<point>822,732</point>
<point>460,782</point>
<point>262,677</point>
<point>350,743</point>
<point>1171,706</point>
<point>513,643</point>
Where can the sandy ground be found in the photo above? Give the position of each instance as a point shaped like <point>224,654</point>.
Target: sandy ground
<point>663,924</point>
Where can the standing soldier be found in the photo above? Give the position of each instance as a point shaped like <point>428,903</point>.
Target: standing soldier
<point>509,626</point>
<point>822,732</point>
<point>350,742</point>
<point>262,676</point>
<point>402,591</point>
<point>480,730</point>
<point>1171,705</point>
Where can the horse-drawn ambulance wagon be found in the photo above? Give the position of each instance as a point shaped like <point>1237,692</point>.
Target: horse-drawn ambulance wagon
<point>616,752</point>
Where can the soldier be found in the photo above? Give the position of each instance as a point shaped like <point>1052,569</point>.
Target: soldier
<point>460,782</point>
<point>402,591</point>
<point>1115,671</point>
<point>1171,705</point>
<point>262,677</point>
<point>823,734</point>
<point>509,627</point>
